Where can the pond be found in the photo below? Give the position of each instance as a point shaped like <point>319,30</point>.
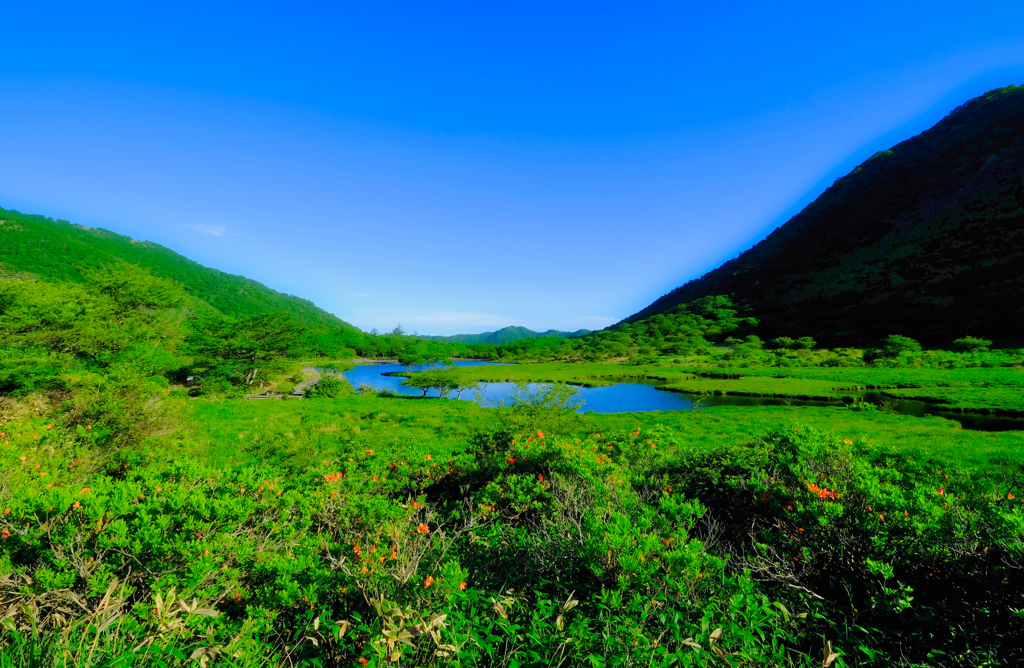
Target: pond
<point>634,396</point>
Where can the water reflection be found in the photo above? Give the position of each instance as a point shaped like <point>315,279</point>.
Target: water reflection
<point>631,395</point>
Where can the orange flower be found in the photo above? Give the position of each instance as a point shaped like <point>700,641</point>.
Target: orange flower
<point>847,441</point>
<point>462,586</point>
<point>540,434</point>
<point>422,528</point>
<point>941,491</point>
<point>429,457</point>
<point>511,460</point>
<point>363,662</point>
<point>429,581</point>
<point>7,512</point>
<point>6,533</point>
<point>540,477</point>
<point>1009,495</point>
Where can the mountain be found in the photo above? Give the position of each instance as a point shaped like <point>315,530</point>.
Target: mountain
<point>58,250</point>
<point>925,239</point>
<point>507,335</point>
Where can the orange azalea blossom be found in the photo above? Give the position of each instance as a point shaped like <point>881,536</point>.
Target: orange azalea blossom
<point>1009,495</point>
<point>429,581</point>
<point>941,491</point>
<point>462,586</point>
<point>429,457</point>
<point>511,460</point>
<point>422,528</point>
<point>6,533</point>
<point>363,662</point>
<point>540,434</point>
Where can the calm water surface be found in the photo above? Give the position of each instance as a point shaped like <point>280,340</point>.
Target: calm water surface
<point>634,396</point>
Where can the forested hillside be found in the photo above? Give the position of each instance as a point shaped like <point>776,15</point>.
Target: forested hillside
<point>508,335</point>
<point>58,250</point>
<point>924,240</point>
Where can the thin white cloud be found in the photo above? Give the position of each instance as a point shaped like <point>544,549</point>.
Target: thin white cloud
<point>213,230</point>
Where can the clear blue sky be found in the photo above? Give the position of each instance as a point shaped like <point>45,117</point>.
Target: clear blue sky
<point>462,167</point>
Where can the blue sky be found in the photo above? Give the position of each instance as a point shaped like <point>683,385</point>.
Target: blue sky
<point>462,167</point>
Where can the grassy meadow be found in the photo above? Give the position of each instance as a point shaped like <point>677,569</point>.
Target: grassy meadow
<point>405,531</point>
<point>150,515</point>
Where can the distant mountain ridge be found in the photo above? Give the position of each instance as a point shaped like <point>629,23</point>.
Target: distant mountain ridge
<point>507,335</point>
<point>925,239</point>
<point>57,249</point>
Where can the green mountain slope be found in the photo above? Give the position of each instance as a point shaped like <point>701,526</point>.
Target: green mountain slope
<point>925,240</point>
<point>507,335</point>
<point>58,250</point>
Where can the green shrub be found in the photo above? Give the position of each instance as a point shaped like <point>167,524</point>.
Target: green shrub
<point>970,344</point>
<point>329,387</point>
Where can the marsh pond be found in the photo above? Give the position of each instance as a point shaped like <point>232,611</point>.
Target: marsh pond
<point>632,395</point>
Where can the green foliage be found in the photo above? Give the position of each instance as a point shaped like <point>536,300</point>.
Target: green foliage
<point>971,344</point>
<point>329,387</point>
<point>885,249</point>
<point>56,250</point>
<point>893,347</point>
<point>245,350</point>
<point>508,335</point>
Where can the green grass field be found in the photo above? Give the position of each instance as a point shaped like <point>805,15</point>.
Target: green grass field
<point>982,389</point>
<point>315,433</point>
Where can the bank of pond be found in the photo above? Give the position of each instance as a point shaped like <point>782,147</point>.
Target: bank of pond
<point>631,394</point>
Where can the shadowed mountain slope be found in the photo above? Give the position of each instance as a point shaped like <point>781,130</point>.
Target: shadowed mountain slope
<point>925,240</point>
<point>58,250</point>
<point>507,335</point>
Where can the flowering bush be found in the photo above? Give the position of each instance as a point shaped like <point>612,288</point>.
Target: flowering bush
<point>618,548</point>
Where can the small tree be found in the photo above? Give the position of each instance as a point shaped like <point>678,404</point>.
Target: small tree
<point>894,344</point>
<point>804,343</point>
<point>971,344</point>
<point>244,349</point>
<point>443,381</point>
<point>463,385</point>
